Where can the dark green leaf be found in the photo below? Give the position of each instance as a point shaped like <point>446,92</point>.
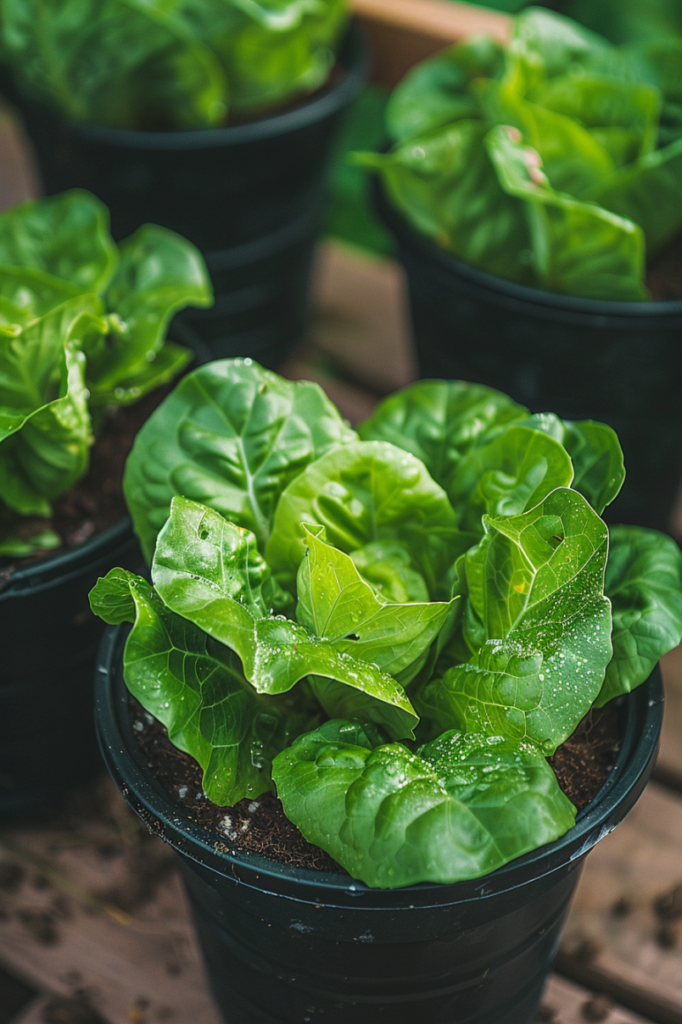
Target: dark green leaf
<point>644,584</point>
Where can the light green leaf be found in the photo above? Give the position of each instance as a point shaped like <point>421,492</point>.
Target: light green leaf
<point>439,421</point>
<point>578,247</point>
<point>335,602</point>
<point>536,591</point>
<point>159,273</point>
<point>210,572</point>
<point>509,475</point>
<point>196,688</point>
<point>232,436</point>
<point>460,808</point>
<point>365,492</point>
<point>65,236</point>
<point>644,584</point>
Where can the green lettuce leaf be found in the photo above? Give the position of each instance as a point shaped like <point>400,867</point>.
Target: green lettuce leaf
<point>647,192</point>
<point>365,492</point>
<point>644,585</point>
<point>439,421</point>
<point>335,602</point>
<point>459,808</point>
<point>65,236</point>
<point>446,186</point>
<point>231,436</point>
<point>577,247</point>
<point>196,688</point>
<point>158,273</point>
<point>27,293</point>
<point>436,92</point>
<point>210,572</point>
<point>509,475</point>
<point>45,428</point>
<point>542,627</point>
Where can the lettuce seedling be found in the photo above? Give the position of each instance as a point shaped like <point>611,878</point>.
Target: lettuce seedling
<point>181,64</point>
<point>394,628</point>
<point>82,328</point>
<point>554,161</point>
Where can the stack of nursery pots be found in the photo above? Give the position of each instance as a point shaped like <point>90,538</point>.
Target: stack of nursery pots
<point>522,227</point>
<point>156,146</point>
<point>83,356</point>
<point>445,575</point>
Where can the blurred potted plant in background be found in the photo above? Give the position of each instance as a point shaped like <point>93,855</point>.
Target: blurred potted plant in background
<point>532,190</point>
<point>214,119</point>
<point>82,339</point>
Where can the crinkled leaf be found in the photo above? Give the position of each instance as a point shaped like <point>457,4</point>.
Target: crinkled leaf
<point>536,591</point>
<point>32,292</point>
<point>335,602</point>
<point>439,421</point>
<point>595,452</point>
<point>158,273</point>
<point>509,475</point>
<point>196,688</point>
<point>459,808</point>
<point>232,436</point>
<point>365,492</point>
<point>644,585</point>
<point>65,236</point>
<point>578,247</point>
<point>210,572</point>
<point>558,42</point>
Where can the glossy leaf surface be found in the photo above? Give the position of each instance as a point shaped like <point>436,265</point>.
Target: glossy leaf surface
<point>196,688</point>
<point>231,436</point>
<point>543,626</point>
<point>210,572</point>
<point>644,585</point>
<point>459,808</point>
<point>365,492</point>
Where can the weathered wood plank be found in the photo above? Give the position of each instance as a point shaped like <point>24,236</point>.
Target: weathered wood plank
<point>669,766</point>
<point>404,32</point>
<point>567,1003</point>
<point>615,939</point>
<point>18,177</point>
<point>65,927</point>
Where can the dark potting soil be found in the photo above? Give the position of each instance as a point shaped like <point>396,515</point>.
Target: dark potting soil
<point>581,764</point>
<point>96,501</point>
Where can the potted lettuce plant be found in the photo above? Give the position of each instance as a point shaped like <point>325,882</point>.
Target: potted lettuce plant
<point>395,630</point>
<point>213,118</point>
<point>532,192</point>
<point>82,336</point>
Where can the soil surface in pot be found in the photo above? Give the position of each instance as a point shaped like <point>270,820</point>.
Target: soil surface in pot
<point>96,501</point>
<point>582,765</point>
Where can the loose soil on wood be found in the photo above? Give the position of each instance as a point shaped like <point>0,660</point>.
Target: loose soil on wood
<point>582,765</point>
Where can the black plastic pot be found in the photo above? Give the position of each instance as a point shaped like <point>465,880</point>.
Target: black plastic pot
<point>250,196</point>
<point>49,647</point>
<point>286,945</point>
<point>619,362</point>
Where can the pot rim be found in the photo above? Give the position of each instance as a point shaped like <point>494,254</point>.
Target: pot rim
<point>642,711</point>
<point>510,290</point>
<point>55,567</point>
<point>353,54</point>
